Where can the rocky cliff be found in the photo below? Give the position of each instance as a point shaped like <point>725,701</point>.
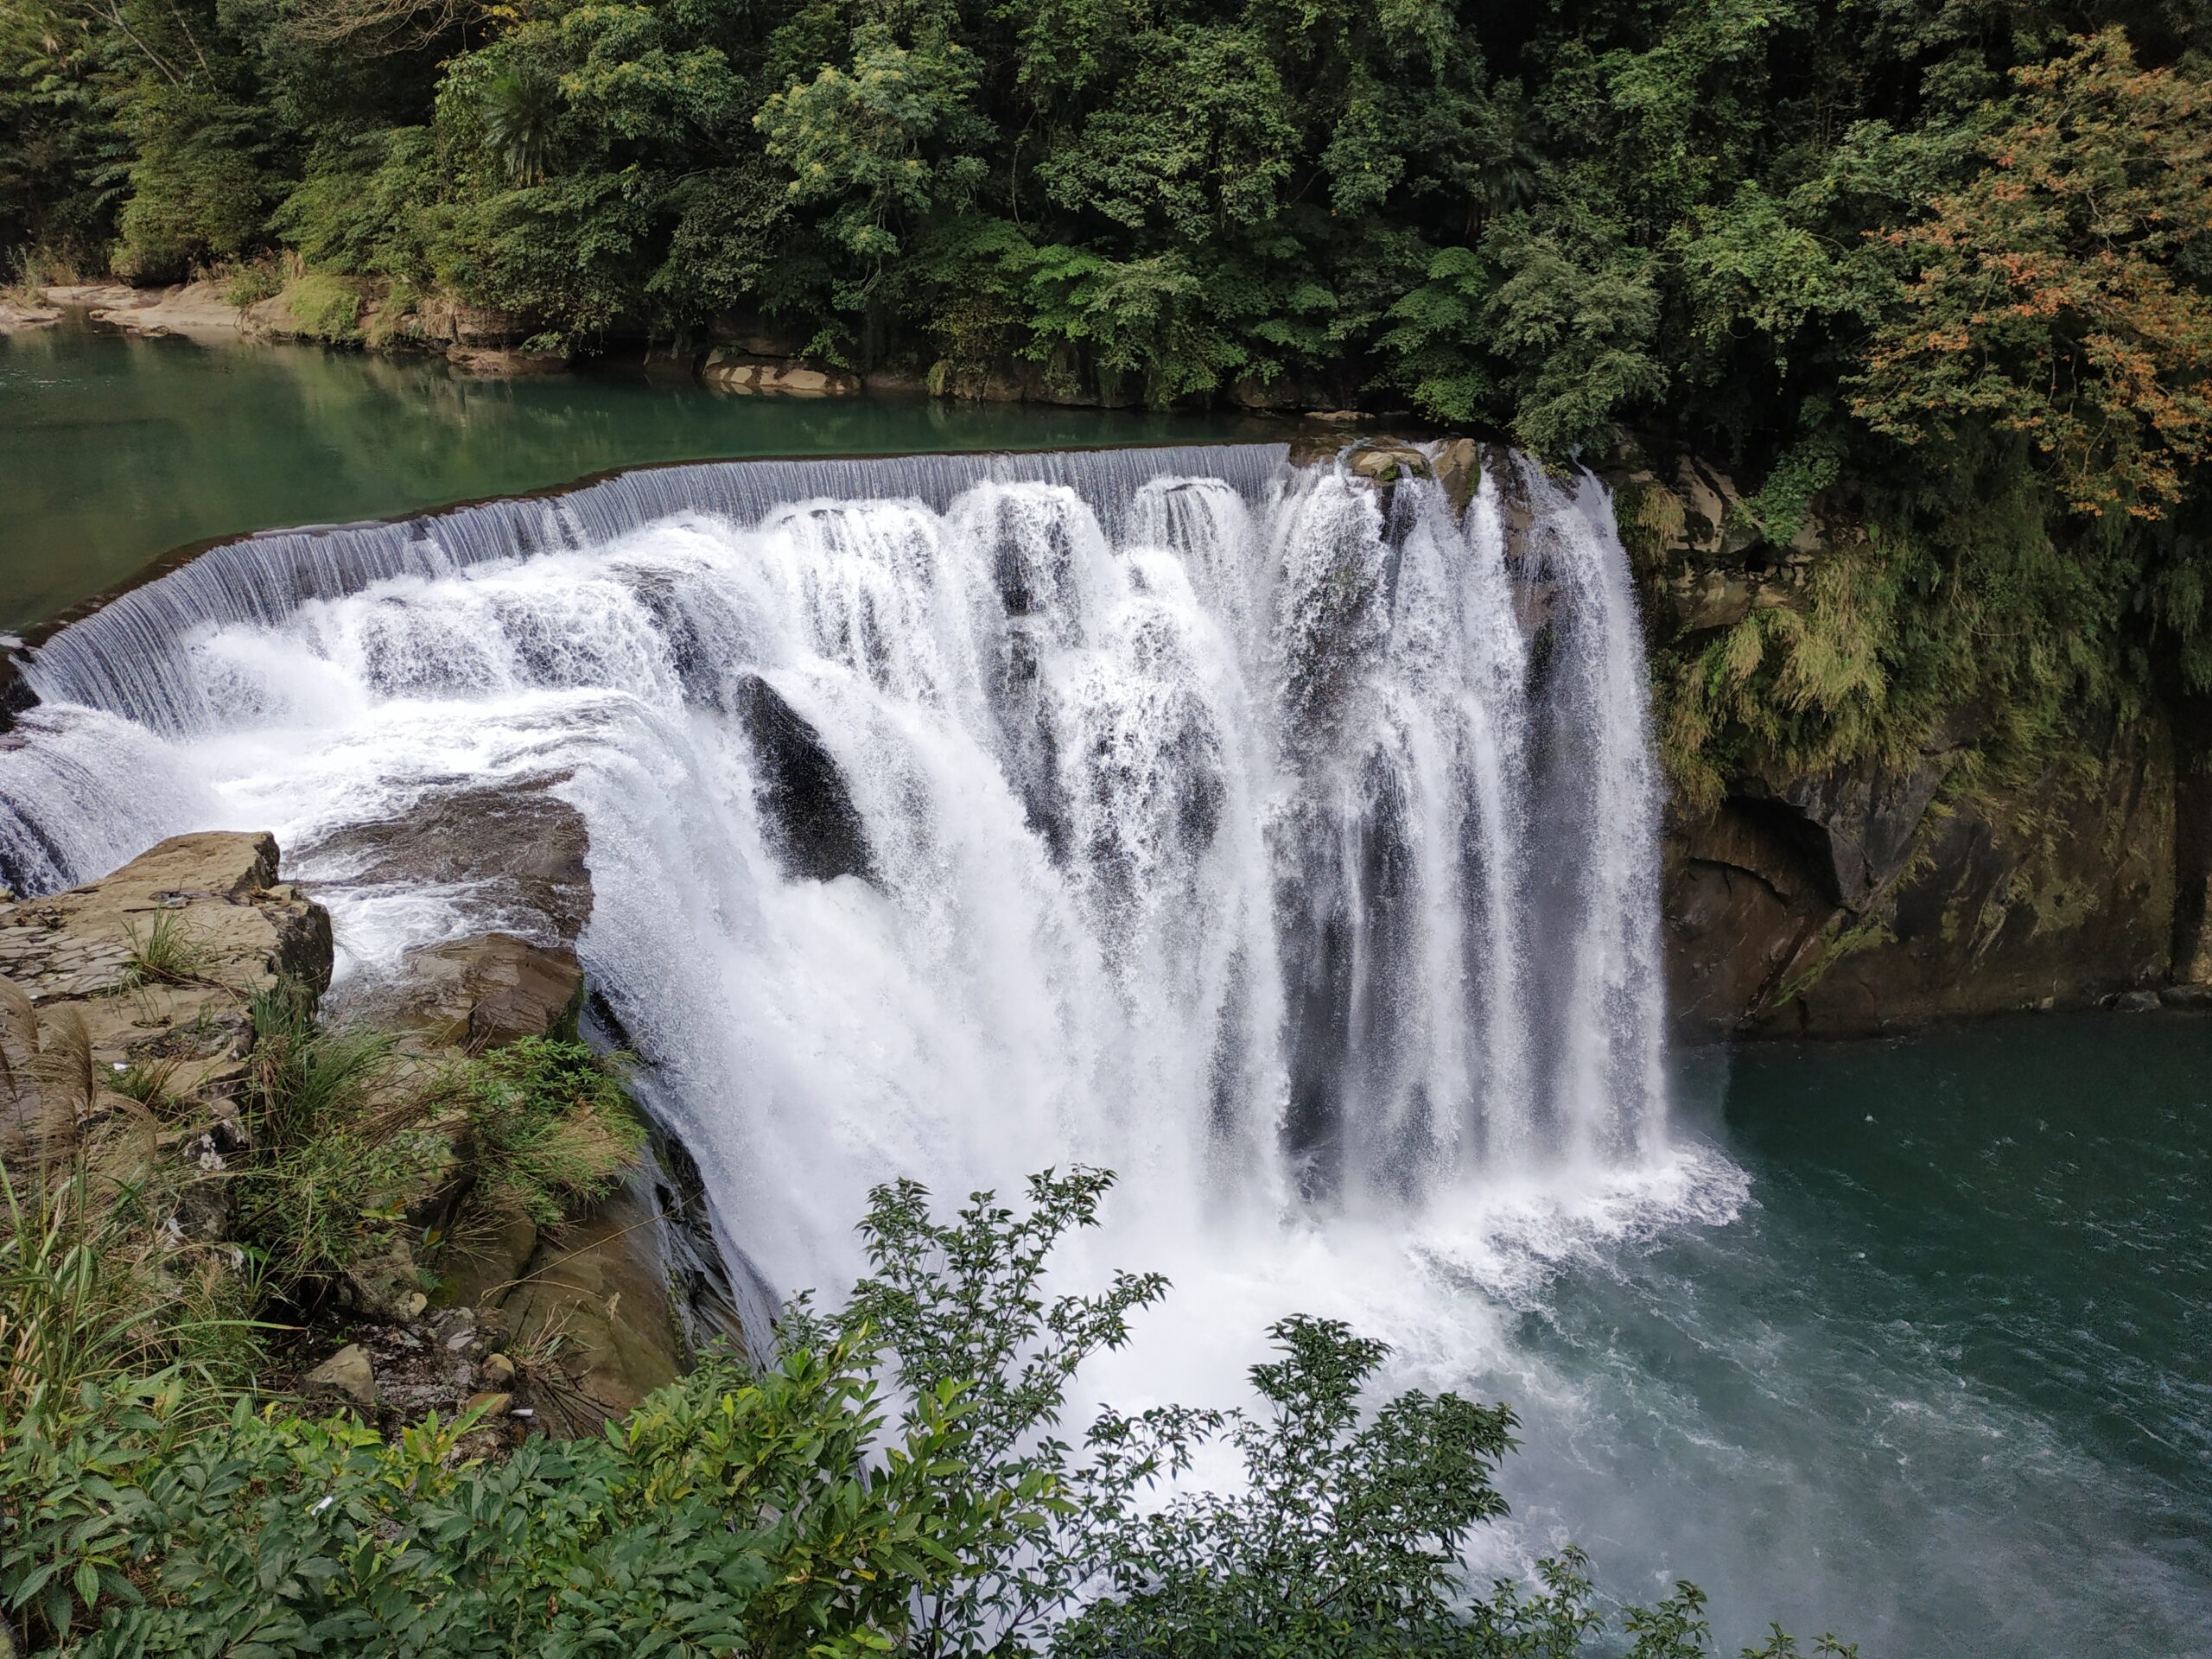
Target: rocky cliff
<point>130,1026</point>
<point>1875,896</point>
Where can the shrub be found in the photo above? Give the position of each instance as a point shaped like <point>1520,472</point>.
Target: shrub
<point>324,307</point>
<point>730,1513</point>
<point>890,1483</point>
<point>550,1129</point>
<point>250,284</point>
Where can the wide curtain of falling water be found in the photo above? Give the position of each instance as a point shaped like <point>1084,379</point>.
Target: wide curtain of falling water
<point>1286,842</point>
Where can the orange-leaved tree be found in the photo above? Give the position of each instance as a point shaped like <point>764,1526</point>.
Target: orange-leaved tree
<point>2062,293</point>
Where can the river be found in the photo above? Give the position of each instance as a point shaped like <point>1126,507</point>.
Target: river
<point>1909,1340</point>
<point>116,450</point>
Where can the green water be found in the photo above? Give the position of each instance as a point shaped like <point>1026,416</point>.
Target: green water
<point>1943,1384</point>
<point>115,450</point>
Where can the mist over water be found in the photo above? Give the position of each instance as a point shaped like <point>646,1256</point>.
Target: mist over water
<point>1288,845</point>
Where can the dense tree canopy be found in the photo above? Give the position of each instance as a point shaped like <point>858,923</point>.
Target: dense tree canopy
<point>1944,263</point>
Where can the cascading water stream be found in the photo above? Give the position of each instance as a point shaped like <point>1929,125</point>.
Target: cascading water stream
<point>1198,798</point>
<point>1286,843</point>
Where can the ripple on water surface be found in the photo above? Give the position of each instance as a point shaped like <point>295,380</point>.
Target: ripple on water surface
<point>1942,1382</point>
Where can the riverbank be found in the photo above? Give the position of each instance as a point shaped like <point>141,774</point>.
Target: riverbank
<point>739,358</point>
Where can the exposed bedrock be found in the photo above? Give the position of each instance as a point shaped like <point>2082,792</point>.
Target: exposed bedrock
<point>129,1001</point>
<point>1858,903</point>
<point>126,1029</point>
<point>625,1285</point>
<point>1877,895</point>
<point>510,853</point>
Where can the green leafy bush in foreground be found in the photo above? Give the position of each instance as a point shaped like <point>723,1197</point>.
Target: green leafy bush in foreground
<point>892,1483</point>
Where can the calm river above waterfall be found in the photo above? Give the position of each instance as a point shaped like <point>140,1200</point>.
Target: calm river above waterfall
<point>116,450</point>
<point>1910,1340</point>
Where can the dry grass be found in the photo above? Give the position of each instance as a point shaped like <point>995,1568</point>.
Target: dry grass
<point>37,270</point>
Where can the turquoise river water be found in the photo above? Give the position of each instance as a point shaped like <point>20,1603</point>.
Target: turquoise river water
<point>115,450</point>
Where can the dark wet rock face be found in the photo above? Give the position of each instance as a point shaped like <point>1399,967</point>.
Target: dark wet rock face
<point>1899,890</point>
<point>805,804</point>
<point>1876,898</point>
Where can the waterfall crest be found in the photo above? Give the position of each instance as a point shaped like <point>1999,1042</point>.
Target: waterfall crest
<point>1286,842</point>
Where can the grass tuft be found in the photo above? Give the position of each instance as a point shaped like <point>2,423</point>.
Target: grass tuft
<point>168,953</point>
<point>551,1127</point>
<point>345,1146</point>
<point>92,1294</point>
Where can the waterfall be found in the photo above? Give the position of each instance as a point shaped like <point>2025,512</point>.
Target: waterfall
<point>1285,841</point>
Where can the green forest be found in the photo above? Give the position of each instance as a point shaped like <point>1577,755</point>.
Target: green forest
<point>1942,266</point>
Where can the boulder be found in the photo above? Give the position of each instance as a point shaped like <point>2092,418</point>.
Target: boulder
<point>1386,461</point>
<point>517,851</point>
<point>347,1377</point>
<point>479,1270</point>
<point>151,970</point>
<point>805,803</point>
<point>503,362</point>
<point>1459,470</point>
<point>729,370</point>
<point>600,1282</point>
<point>387,1285</point>
<point>484,991</point>
<point>447,320</point>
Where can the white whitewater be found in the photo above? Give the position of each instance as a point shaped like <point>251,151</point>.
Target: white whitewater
<point>1291,852</point>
